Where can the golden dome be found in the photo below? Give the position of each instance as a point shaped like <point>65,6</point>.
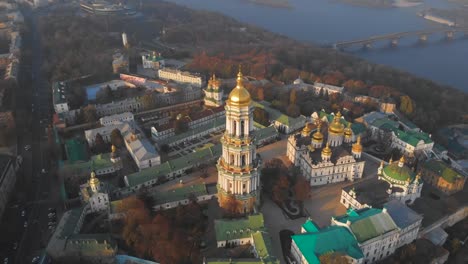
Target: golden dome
<point>327,151</point>
<point>347,131</point>
<point>307,129</point>
<point>114,149</point>
<point>357,147</point>
<point>318,136</point>
<point>239,96</point>
<point>336,127</point>
<point>93,181</point>
<point>402,159</point>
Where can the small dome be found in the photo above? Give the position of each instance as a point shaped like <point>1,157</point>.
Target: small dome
<point>93,181</point>
<point>298,81</point>
<point>327,151</point>
<point>357,147</point>
<point>318,136</point>
<point>307,129</point>
<point>336,127</point>
<point>347,131</point>
<point>239,96</point>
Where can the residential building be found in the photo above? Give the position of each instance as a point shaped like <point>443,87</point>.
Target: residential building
<point>115,119</point>
<point>193,120</point>
<point>313,242</point>
<point>327,88</point>
<point>239,165</point>
<point>283,123</point>
<point>67,244</point>
<point>374,229</point>
<point>8,167</point>
<point>178,76</point>
<point>407,220</point>
<point>101,164</point>
<point>322,163</point>
<point>182,196</point>
<point>445,178</point>
<point>142,151</point>
<point>152,61</point>
<point>127,105</point>
<point>213,93</point>
<point>244,231</point>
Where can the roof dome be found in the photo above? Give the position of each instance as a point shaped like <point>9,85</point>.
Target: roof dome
<point>239,96</point>
<point>398,174</point>
<point>336,127</point>
<point>327,151</point>
<point>347,131</point>
<point>93,181</point>
<point>318,136</point>
<point>307,129</point>
<point>357,147</point>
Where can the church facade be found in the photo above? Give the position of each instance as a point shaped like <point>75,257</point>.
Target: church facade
<point>323,160</point>
<point>238,166</point>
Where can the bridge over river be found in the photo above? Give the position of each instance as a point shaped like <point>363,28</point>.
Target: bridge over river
<point>395,37</point>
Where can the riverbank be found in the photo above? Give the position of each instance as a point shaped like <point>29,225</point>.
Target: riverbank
<point>272,3</point>
<point>405,3</point>
<point>382,3</point>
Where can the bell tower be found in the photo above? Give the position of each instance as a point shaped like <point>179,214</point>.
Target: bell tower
<point>238,167</point>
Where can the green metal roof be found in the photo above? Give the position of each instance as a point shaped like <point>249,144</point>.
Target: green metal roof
<point>310,226</point>
<point>443,170</point>
<point>413,138</point>
<point>368,223</point>
<point>179,194</point>
<point>331,239</point>
<point>76,150</point>
<point>70,222</point>
<point>399,173</point>
<point>263,247</point>
<point>264,133</point>
<point>240,228</point>
<point>167,167</point>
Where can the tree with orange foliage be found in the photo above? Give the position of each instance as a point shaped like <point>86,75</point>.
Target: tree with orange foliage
<point>280,189</point>
<point>301,188</point>
<point>231,205</point>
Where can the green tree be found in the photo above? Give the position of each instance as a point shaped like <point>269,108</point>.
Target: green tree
<point>116,138</point>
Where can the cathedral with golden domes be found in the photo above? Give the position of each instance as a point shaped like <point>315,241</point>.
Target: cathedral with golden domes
<point>327,154</point>
<point>238,166</point>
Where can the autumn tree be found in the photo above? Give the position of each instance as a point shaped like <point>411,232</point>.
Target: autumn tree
<point>260,94</point>
<point>293,110</point>
<point>406,104</point>
<point>99,144</point>
<point>116,138</point>
<point>301,188</point>
<point>90,114</point>
<point>147,101</point>
<point>280,189</point>
<point>333,258</point>
<point>231,205</point>
<point>293,97</point>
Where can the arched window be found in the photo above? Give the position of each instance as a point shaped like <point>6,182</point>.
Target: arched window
<point>234,127</point>
<point>231,159</point>
<point>243,160</point>
<point>242,128</point>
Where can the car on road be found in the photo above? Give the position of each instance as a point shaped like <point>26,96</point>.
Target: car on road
<point>5,261</point>
<point>15,245</point>
<point>43,170</point>
<point>25,224</point>
<point>35,259</point>
<point>27,147</point>
<point>23,213</point>
<point>50,215</point>
<point>52,223</point>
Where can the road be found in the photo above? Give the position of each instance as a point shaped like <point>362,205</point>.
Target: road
<point>33,115</point>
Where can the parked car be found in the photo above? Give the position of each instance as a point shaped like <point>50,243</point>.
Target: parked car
<point>27,147</point>
<point>50,215</point>
<point>25,224</point>
<point>23,213</point>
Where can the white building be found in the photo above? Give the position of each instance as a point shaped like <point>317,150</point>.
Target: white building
<point>115,119</point>
<point>407,220</point>
<point>375,231</point>
<point>406,185</point>
<point>93,193</point>
<point>169,74</point>
<point>337,161</point>
<point>327,88</point>
<point>213,93</point>
<point>152,61</point>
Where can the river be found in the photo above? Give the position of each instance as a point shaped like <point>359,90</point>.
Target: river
<point>325,22</point>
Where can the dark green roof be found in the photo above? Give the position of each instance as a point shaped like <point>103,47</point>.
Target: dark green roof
<point>239,228</point>
<point>331,239</point>
<point>264,133</point>
<point>310,226</point>
<point>393,171</point>
<point>443,170</point>
<point>179,194</point>
<point>76,150</point>
<point>368,223</point>
<point>167,167</point>
<point>276,115</point>
<point>413,138</point>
